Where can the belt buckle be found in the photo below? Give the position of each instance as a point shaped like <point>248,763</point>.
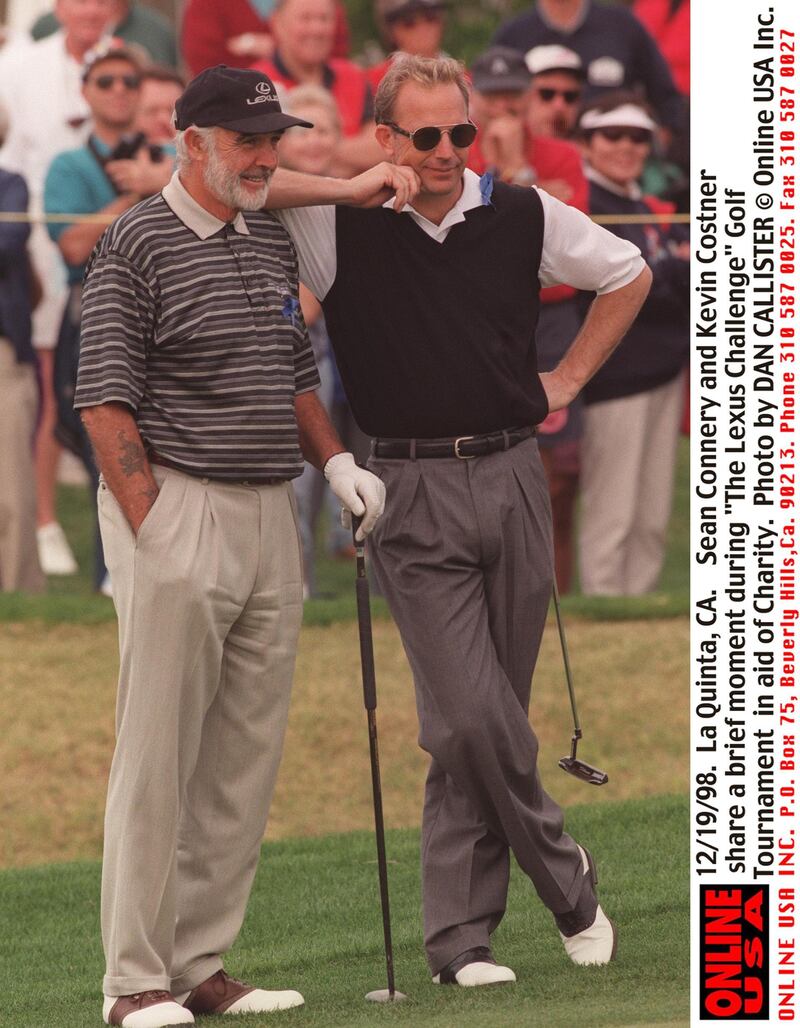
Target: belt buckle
<point>464,456</point>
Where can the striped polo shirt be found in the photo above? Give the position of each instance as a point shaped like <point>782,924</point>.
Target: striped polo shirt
<point>195,325</point>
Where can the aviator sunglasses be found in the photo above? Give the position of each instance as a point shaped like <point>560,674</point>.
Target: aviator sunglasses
<point>429,137</point>
<point>547,94</point>
<point>105,82</point>
<point>635,135</point>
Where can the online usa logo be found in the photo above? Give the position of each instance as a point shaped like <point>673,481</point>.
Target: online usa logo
<point>734,952</point>
<point>265,94</point>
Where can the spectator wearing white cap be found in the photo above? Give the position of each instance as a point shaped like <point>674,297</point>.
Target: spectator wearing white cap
<point>41,86</point>
<point>408,27</point>
<point>615,48</point>
<point>634,402</point>
<point>557,85</point>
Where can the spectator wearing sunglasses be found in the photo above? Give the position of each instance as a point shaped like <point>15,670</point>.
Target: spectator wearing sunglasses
<point>408,27</point>
<point>557,79</point>
<point>40,85</point>
<point>616,50</point>
<point>432,309</point>
<point>304,33</point>
<point>83,181</point>
<point>501,94</point>
<point>634,402</point>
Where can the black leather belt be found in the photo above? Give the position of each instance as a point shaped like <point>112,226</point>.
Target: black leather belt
<point>464,447</point>
<point>156,458</point>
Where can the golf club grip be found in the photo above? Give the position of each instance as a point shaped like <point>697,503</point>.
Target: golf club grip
<point>365,640</point>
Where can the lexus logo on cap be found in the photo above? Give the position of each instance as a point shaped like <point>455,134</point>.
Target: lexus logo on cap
<point>265,93</point>
<point>499,66</point>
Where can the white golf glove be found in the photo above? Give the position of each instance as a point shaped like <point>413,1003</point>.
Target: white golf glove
<point>361,492</point>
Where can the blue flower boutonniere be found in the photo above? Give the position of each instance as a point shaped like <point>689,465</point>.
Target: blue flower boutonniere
<point>291,309</point>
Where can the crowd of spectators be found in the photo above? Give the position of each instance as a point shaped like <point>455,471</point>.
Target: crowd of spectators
<point>588,101</point>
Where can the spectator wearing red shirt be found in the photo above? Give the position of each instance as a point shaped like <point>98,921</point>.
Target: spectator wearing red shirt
<point>668,22</point>
<point>501,83</point>
<point>238,32</point>
<point>304,34</point>
<point>410,27</point>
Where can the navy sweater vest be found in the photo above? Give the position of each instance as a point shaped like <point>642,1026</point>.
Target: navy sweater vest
<point>437,339</point>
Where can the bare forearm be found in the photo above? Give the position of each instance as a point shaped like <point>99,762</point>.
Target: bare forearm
<point>77,242</point>
<point>121,458</point>
<point>297,189</point>
<point>318,438</point>
<point>605,325</point>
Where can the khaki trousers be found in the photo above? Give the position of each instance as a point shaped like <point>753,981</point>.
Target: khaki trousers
<point>19,399</point>
<point>628,456</point>
<point>209,601</point>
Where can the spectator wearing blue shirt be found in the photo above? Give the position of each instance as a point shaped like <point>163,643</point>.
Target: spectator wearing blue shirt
<point>112,172</point>
<point>19,560</point>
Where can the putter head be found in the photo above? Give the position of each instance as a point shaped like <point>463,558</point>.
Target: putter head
<point>580,769</point>
<point>384,996</point>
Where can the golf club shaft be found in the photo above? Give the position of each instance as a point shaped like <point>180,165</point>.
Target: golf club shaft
<point>371,703</point>
<point>562,636</point>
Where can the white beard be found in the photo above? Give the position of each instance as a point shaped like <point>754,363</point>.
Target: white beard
<point>227,188</point>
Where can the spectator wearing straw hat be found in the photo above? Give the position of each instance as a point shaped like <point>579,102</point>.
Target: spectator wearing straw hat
<point>634,402</point>
<point>410,27</point>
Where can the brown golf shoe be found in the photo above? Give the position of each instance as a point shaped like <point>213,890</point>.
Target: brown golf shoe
<point>151,1009</point>
<point>221,994</point>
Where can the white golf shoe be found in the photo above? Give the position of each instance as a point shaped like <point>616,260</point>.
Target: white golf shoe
<point>55,556</point>
<point>474,967</point>
<point>593,943</point>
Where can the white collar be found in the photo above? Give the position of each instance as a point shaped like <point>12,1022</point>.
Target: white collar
<point>469,199</point>
<point>631,192</point>
<point>203,223</point>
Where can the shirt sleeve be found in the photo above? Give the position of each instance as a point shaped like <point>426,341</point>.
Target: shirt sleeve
<point>117,319</point>
<point>313,231</point>
<point>576,252</point>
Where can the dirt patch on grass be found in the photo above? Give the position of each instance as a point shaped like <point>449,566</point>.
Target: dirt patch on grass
<point>57,687</point>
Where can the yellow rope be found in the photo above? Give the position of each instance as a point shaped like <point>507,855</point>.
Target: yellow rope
<point>105,219</point>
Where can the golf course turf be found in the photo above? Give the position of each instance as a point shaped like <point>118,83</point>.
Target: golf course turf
<point>314,924</point>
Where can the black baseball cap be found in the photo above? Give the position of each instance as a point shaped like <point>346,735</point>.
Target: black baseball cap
<point>238,99</point>
<point>500,69</point>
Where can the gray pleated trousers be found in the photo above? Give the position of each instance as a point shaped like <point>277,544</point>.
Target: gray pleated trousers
<point>464,556</point>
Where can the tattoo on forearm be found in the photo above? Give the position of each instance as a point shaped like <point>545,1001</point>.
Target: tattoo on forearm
<point>150,493</point>
<point>132,456</point>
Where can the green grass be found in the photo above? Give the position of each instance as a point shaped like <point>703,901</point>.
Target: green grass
<point>314,924</point>
<point>71,599</point>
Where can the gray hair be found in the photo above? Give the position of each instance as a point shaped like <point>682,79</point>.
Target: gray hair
<point>426,71</point>
<point>206,134</point>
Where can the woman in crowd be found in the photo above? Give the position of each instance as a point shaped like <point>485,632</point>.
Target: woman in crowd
<point>634,403</point>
